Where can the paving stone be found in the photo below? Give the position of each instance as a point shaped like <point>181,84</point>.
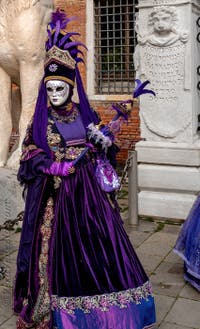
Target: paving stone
<point>146,226</point>
<point>169,325</point>
<point>174,269</point>
<point>16,238</point>
<point>149,263</point>
<point>168,279</point>
<point>9,324</point>
<point>7,246</point>
<point>185,312</point>
<point>173,258</point>
<point>3,318</point>
<point>4,234</point>
<point>159,244</point>
<point>163,305</point>
<point>137,238</point>
<point>172,229</point>
<point>9,263</point>
<point>11,202</point>
<point>190,292</point>
<point>6,299</point>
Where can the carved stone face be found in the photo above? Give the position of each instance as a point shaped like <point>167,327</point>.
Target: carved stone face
<point>57,91</point>
<point>162,22</point>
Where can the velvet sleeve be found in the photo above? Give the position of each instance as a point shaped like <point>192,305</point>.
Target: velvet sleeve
<point>33,159</point>
<point>33,167</point>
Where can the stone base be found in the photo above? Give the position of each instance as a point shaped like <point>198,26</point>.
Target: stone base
<point>11,202</point>
<point>165,205</point>
<point>168,178</point>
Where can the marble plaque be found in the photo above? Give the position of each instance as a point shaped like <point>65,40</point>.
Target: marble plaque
<point>162,57</point>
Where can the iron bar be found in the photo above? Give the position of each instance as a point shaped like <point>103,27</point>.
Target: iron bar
<point>115,40</point>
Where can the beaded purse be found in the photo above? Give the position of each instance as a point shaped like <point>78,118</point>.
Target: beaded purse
<point>106,176</point>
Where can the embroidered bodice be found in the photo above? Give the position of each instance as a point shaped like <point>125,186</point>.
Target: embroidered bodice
<point>66,139</point>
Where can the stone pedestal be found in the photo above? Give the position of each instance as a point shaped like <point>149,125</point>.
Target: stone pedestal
<point>168,178</point>
<point>11,202</point>
<point>168,55</point>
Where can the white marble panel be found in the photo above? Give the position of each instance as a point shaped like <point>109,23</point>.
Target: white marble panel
<point>171,178</point>
<point>165,204</point>
<point>182,154</point>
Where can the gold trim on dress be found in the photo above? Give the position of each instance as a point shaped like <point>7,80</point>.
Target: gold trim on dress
<point>42,306</point>
<point>65,118</point>
<point>73,152</point>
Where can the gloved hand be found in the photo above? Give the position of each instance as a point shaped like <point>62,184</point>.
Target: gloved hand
<point>60,169</point>
<point>99,136</point>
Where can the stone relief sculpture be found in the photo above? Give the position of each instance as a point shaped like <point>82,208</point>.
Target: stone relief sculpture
<point>162,22</point>
<point>161,57</point>
<point>22,35</point>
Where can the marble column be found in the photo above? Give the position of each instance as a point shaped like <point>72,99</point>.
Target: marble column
<point>168,54</point>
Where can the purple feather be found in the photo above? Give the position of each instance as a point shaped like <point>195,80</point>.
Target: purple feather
<point>74,44</point>
<point>49,41</point>
<point>57,31</point>
<point>80,52</point>
<point>62,18</point>
<point>79,60</point>
<point>66,37</point>
<point>139,90</point>
<point>58,16</point>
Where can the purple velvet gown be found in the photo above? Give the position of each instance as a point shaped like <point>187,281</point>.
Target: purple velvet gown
<point>188,245</point>
<point>76,267</point>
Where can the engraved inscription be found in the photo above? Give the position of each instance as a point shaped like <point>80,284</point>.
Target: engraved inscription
<point>161,58</point>
<point>165,69</point>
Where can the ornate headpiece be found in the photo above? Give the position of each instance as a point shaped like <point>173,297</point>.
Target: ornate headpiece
<point>61,50</point>
<point>61,63</point>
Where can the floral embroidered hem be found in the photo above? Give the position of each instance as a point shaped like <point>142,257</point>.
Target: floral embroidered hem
<point>102,302</point>
<point>118,310</point>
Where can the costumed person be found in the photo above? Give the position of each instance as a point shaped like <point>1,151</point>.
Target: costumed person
<point>188,245</point>
<point>76,267</point>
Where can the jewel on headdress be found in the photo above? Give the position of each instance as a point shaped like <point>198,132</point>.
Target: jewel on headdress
<point>53,67</point>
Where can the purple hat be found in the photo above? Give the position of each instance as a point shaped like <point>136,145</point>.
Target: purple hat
<point>61,63</point>
<point>62,53</point>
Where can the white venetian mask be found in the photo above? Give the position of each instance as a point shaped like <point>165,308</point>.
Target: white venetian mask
<point>57,91</point>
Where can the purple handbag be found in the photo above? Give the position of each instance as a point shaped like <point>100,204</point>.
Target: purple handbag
<point>106,176</point>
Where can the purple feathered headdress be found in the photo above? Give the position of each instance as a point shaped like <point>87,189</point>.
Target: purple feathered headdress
<point>61,63</point>
<point>62,52</point>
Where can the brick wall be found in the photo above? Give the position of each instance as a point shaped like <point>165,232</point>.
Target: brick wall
<point>130,133</point>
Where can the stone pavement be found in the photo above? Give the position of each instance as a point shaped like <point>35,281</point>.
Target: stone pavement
<point>177,303</point>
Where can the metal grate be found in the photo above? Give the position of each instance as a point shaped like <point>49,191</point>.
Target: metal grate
<point>115,40</point>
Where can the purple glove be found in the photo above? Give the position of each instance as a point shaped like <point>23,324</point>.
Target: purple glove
<point>60,169</point>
